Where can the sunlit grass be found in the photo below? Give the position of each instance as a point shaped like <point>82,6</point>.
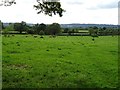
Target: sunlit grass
<point>73,61</point>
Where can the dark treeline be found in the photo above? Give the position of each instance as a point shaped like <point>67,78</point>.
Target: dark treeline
<point>23,28</point>
<point>92,31</point>
<point>55,29</point>
<point>40,29</point>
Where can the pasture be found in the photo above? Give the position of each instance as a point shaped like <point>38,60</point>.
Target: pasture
<point>61,62</point>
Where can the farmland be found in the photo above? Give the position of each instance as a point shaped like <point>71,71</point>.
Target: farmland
<point>60,62</point>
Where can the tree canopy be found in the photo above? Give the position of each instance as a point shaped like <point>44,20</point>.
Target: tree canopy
<point>7,2</point>
<point>53,29</point>
<point>44,6</point>
<point>49,8</point>
<point>20,26</point>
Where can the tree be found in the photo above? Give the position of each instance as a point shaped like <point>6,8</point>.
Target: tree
<point>53,29</point>
<point>66,30</point>
<point>104,28</point>
<point>36,28</point>
<point>29,29</point>
<point>118,30</point>
<point>41,33</point>
<point>7,2</point>
<point>39,27</point>
<point>17,27</point>
<point>20,27</point>
<point>70,32</point>
<point>42,27</point>
<point>0,26</point>
<point>7,29</point>
<point>90,30</point>
<point>48,8</point>
<point>101,31</point>
<point>93,31</point>
<point>95,27</point>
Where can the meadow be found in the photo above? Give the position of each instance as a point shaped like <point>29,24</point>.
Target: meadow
<point>61,62</point>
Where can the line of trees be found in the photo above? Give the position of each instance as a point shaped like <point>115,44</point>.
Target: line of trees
<point>55,29</point>
<point>40,29</point>
<point>92,31</point>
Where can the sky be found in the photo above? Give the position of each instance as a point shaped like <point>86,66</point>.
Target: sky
<point>77,11</point>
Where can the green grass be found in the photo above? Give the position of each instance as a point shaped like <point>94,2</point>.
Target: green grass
<point>0,61</point>
<point>61,62</point>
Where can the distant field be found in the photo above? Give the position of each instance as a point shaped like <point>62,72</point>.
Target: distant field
<point>84,31</point>
<point>61,62</point>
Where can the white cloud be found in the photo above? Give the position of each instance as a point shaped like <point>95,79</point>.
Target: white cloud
<point>82,11</point>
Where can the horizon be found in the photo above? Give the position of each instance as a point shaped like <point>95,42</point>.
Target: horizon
<point>61,23</point>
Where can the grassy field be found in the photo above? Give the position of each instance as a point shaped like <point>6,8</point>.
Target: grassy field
<point>61,62</point>
<point>0,61</point>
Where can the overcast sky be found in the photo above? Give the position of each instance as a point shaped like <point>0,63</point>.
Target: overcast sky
<point>77,11</point>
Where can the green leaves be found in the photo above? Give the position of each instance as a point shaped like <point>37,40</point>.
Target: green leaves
<point>20,27</point>
<point>53,29</point>
<point>7,2</point>
<point>9,28</point>
<point>49,8</point>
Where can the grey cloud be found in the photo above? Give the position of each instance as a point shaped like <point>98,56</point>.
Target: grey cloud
<point>105,6</point>
<point>109,5</point>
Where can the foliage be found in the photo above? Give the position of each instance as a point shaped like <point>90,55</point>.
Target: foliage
<point>53,29</point>
<point>39,27</point>
<point>49,8</point>
<point>36,28</point>
<point>108,31</point>
<point>93,31</point>
<point>44,6</point>
<point>8,28</point>
<point>20,27</point>
<point>69,32</point>
<point>41,33</point>
<point>7,2</point>
<point>29,29</point>
<point>42,27</point>
<point>66,30</point>
<point>0,25</point>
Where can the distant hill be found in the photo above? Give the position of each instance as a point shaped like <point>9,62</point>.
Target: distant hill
<point>77,25</point>
<point>5,24</point>
<point>87,25</point>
